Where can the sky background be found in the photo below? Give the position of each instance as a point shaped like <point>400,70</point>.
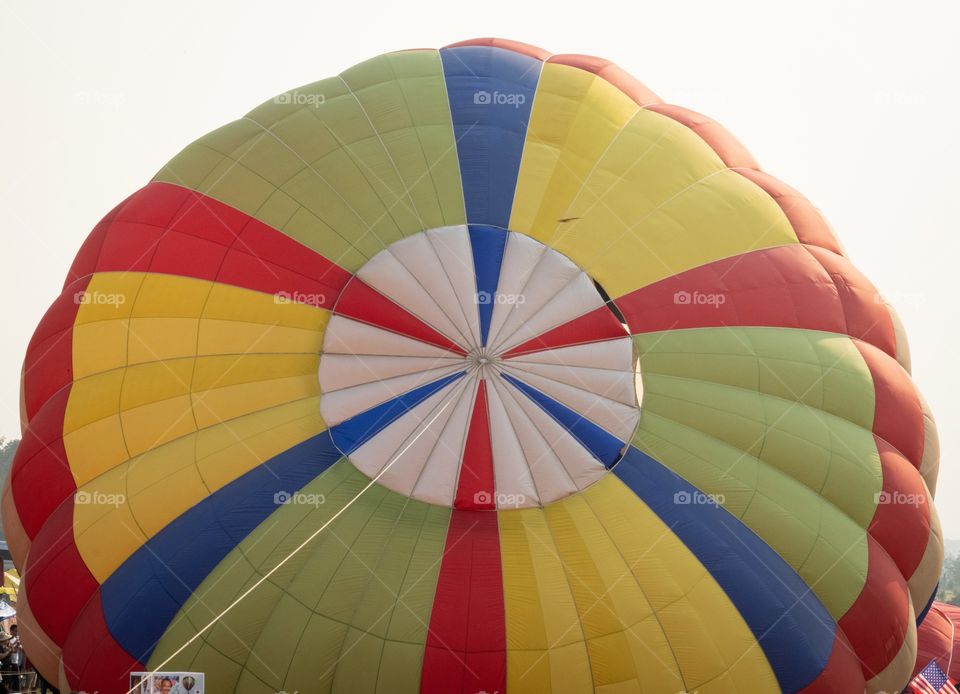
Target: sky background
<point>853,103</point>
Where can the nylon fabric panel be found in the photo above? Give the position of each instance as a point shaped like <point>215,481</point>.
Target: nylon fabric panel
<point>160,484</point>
<point>489,132</point>
<point>354,432</point>
<point>638,185</point>
<point>164,572</point>
<point>487,245</point>
<point>362,588</point>
<point>603,445</point>
<point>347,166</point>
<point>466,645</point>
<point>783,469</point>
<point>780,616</point>
<point>549,573</point>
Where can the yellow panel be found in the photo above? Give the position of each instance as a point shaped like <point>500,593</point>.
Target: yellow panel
<point>99,347</point>
<point>160,484</point>
<point>575,117</point>
<point>151,425</point>
<point>104,529</point>
<point>231,336</point>
<point>251,441</point>
<point>148,383</point>
<point>223,404</point>
<point>95,448</point>
<point>255,393</point>
<point>233,303</point>
<point>162,338</point>
<point>171,296</point>
<point>631,197</point>
<point>711,638</point>
<point>230,370</point>
<point>109,296</point>
<point>92,399</point>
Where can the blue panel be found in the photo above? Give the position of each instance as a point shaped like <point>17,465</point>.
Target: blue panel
<point>487,244</point>
<point>144,594</point>
<point>356,431</point>
<point>789,622</point>
<point>604,446</point>
<point>491,91</point>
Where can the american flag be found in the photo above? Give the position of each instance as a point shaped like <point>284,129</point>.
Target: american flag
<point>932,680</point>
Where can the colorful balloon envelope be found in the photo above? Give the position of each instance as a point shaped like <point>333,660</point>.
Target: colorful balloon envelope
<point>472,370</point>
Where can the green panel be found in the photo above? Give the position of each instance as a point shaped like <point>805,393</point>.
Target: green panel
<point>346,165</point>
<point>361,591</point>
<point>776,423</point>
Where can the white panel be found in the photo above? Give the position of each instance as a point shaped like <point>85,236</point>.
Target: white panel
<point>347,336</point>
<point>551,274</point>
<point>610,354</point>
<point>385,273</point>
<point>344,370</point>
<point>580,464</point>
<point>438,481</point>
<point>616,385</point>
<point>402,448</point>
<point>514,484</point>
<point>452,245</point>
<point>520,257</point>
<point>342,404</point>
<point>616,418</point>
<point>549,475</point>
<point>574,300</point>
<point>418,255</point>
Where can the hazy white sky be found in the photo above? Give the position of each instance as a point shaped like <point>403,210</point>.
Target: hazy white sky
<point>851,102</point>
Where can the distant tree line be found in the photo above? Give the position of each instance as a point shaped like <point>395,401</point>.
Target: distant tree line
<point>949,590</point>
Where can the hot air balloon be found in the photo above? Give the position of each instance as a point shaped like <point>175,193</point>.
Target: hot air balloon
<point>477,369</point>
<point>939,639</point>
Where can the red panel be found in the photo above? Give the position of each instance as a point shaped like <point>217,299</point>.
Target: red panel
<point>793,286</point>
<point>362,302</point>
<point>841,674</point>
<point>466,644</point>
<point>595,326</point>
<point>85,262</point>
<point>93,657</point>
<point>48,364</point>
<point>167,229</point>
<point>40,476</point>
<point>866,314</point>
<point>475,488</point>
<point>879,619</point>
<point>898,417</point>
<point>58,581</point>
<point>901,523</point>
